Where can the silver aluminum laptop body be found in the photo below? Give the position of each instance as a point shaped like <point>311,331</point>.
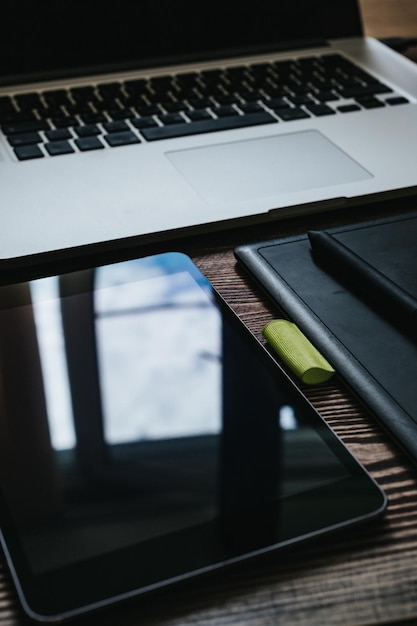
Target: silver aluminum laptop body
<point>226,175</point>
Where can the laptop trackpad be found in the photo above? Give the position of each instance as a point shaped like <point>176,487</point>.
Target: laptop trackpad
<point>260,168</point>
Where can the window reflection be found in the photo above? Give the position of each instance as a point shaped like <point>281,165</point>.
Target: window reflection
<point>47,315</point>
<point>158,347</point>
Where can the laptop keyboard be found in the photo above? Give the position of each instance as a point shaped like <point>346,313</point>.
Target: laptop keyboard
<point>112,114</point>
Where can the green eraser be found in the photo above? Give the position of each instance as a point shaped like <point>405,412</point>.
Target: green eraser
<point>297,352</point>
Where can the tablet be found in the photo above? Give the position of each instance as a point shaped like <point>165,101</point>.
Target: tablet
<point>147,437</point>
<point>360,336</point>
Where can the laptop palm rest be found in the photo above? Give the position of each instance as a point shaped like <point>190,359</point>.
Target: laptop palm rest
<point>258,168</point>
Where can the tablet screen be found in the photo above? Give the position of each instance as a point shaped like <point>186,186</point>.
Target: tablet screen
<point>148,437</point>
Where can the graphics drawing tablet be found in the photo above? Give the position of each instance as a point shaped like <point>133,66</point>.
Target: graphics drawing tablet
<point>375,356</point>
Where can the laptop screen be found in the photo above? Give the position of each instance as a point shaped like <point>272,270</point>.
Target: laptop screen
<point>56,39</point>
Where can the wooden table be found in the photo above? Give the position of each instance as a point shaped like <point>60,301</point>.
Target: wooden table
<point>358,577</point>
<point>389,18</point>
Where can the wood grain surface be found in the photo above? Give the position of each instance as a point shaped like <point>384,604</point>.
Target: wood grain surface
<point>389,18</point>
<point>362,576</point>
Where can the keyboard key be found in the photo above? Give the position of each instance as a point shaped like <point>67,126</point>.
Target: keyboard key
<point>89,130</point>
<point>115,126</point>
<point>288,115</point>
<point>207,126</point>
<point>274,92</point>
<point>56,148</point>
<point>296,88</point>
<point>6,106</point>
<point>174,107</point>
<point>213,75</point>
<point>326,96</point>
<point>320,109</point>
<point>56,97</point>
<point>109,90</point>
<point>371,103</point>
<point>171,118</point>
<point>187,79</point>
<point>46,112</point>
<point>161,83</point>
<point>250,107</point>
<point>24,139</point>
<point>198,115</point>
<point>145,110</point>
<point>86,144</point>
<point>224,111</point>
<point>82,94</point>
<point>64,121</point>
<point>276,104</point>
<point>121,139</point>
<point>24,153</point>
<point>116,113</point>
<point>348,108</point>
<point>57,134</point>
<point>12,128</point>
<point>364,90</point>
<point>144,122</point>
<point>226,99</point>
<point>27,101</point>
<point>301,99</point>
<point>200,103</point>
<point>93,118</point>
<point>253,96</point>
<point>135,86</point>
<point>396,100</point>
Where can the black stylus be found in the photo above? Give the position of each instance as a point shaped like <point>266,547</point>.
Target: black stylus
<point>345,264</point>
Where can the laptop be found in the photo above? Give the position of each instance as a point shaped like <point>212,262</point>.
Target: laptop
<point>146,121</point>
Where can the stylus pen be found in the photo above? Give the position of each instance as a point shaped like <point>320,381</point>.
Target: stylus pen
<point>345,264</point>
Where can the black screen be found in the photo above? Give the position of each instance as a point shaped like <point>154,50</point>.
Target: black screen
<point>145,432</point>
<point>51,36</point>
<point>145,413</point>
